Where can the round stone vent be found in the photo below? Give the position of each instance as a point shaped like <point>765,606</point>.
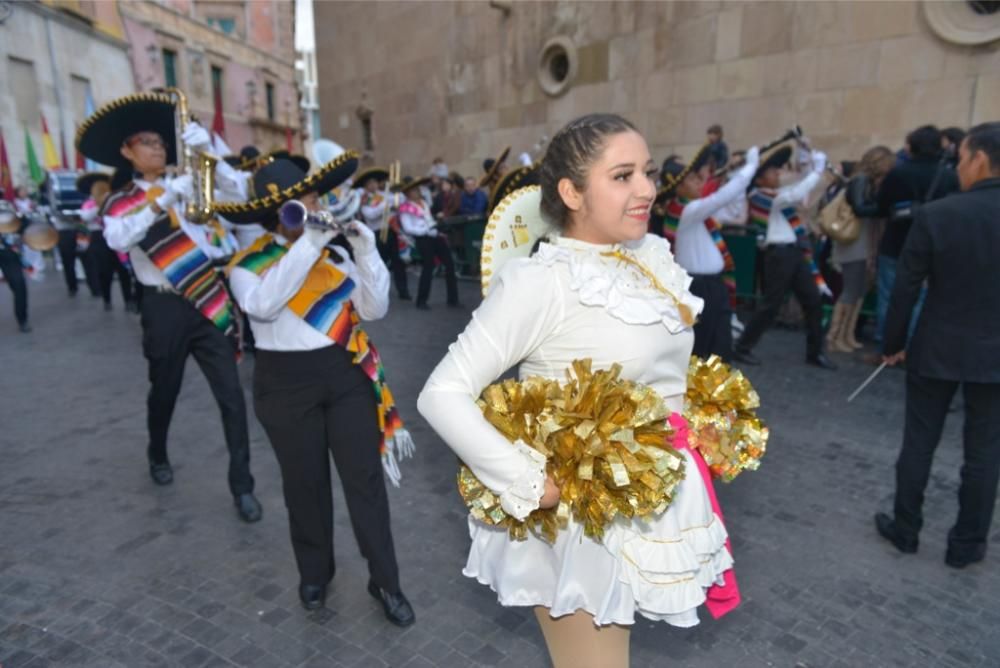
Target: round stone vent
<point>557,66</point>
<point>968,23</point>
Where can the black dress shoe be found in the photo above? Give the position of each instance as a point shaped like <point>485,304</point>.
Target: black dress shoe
<point>745,357</point>
<point>248,507</point>
<point>886,527</point>
<point>397,608</point>
<point>313,597</point>
<point>161,473</point>
<point>960,558</point>
<point>822,361</point>
<point>24,327</point>
<point>423,307</point>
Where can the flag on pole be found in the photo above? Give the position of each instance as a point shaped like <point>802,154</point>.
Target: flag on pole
<point>6,178</point>
<point>218,121</point>
<point>62,153</point>
<point>81,162</point>
<point>49,155</point>
<point>35,171</point>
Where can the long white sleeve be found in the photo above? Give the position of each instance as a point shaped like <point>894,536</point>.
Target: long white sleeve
<point>124,232</point>
<point>696,211</point>
<point>796,193</point>
<point>523,309</point>
<point>371,294</point>
<point>265,297</point>
<point>415,225</point>
<point>231,184</point>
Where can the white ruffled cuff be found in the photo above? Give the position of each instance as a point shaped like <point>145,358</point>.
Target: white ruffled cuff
<point>525,493</point>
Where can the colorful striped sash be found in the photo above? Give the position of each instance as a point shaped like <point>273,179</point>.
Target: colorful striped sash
<point>183,264</point>
<point>761,201</point>
<point>324,303</point>
<point>672,220</point>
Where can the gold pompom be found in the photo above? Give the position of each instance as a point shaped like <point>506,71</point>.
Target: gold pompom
<point>606,445</point>
<point>720,407</point>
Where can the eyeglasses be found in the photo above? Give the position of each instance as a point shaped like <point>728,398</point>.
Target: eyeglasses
<point>149,141</point>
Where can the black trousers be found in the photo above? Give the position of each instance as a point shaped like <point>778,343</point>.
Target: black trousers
<point>109,266</point>
<point>171,330</point>
<point>389,251</point>
<point>13,273</point>
<point>784,270</point>
<point>430,247</point>
<point>927,402</point>
<point>713,333</point>
<point>68,254</point>
<point>313,404</point>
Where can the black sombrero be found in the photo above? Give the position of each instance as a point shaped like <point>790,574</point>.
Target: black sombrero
<point>281,180</point>
<point>377,173</point>
<point>511,181</point>
<point>85,182</point>
<point>777,158</point>
<point>674,171</point>
<point>409,183</point>
<point>246,160</point>
<point>102,134</point>
<point>491,169</point>
<point>301,161</point>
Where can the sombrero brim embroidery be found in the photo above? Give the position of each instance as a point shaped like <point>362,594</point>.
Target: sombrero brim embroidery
<point>670,186</point>
<point>410,185</point>
<point>511,181</point>
<point>513,228</point>
<point>325,179</point>
<point>101,134</point>
<point>494,167</point>
<point>378,173</point>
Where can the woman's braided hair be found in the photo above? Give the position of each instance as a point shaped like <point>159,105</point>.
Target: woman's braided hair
<point>569,156</point>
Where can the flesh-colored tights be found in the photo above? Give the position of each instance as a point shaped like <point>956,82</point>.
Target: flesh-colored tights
<point>575,642</point>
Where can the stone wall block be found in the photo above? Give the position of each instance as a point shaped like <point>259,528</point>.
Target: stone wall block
<point>767,28</point>
<point>742,78</point>
<point>696,84</point>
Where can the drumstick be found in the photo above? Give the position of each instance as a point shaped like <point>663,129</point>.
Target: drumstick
<point>865,384</point>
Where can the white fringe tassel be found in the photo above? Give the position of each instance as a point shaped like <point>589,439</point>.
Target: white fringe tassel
<point>400,446</point>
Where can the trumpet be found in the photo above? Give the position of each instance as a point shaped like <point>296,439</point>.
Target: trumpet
<point>293,214</point>
<point>794,133</point>
<point>199,165</point>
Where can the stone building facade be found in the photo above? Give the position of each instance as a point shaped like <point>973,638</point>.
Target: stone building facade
<point>52,56</point>
<point>464,79</point>
<point>240,51</point>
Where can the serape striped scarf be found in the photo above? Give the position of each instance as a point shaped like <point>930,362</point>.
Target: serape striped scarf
<point>324,302</point>
<point>672,220</point>
<point>183,264</point>
<point>761,201</point>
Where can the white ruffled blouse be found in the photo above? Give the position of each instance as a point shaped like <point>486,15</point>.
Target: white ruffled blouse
<point>571,300</point>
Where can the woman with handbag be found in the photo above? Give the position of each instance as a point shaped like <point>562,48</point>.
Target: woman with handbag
<point>853,234</point>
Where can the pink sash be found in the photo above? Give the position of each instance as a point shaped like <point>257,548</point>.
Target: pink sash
<point>720,599</point>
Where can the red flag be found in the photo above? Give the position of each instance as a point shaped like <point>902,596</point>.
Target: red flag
<point>62,149</point>
<point>81,162</point>
<point>218,122</point>
<point>6,178</point>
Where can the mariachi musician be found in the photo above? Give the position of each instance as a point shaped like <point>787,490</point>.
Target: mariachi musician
<point>97,187</point>
<point>12,264</point>
<point>186,309</point>
<point>319,386</point>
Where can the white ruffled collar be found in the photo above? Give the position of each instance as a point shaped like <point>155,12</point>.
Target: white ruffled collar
<point>619,287</point>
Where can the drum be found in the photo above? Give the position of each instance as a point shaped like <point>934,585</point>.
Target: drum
<point>40,236</point>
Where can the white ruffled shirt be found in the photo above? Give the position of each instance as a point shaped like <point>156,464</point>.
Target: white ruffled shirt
<point>566,302</point>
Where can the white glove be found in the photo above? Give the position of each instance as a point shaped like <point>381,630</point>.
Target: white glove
<point>179,189</point>
<point>753,156</point>
<point>361,237</point>
<point>196,137</point>
<point>818,161</point>
<point>318,237</point>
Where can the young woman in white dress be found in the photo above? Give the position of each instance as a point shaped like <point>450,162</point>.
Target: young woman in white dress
<point>598,287</point>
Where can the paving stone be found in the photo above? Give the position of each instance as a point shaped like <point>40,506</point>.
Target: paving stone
<point>101,568</point>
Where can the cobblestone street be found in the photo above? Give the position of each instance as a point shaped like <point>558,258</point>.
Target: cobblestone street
<point>100,568</point>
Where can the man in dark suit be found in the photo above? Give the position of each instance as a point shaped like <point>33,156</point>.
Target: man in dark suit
<point>954,244</point>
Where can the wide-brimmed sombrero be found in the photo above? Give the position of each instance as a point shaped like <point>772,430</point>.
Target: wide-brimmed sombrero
<point>281,180</point>
<point>491,168</point>
<point>511,181</point>
<point>674,172</point>
<point>514,226</point>
<point>101,135</point>
<point>377,173</point>
<point>776,157</point>
<point>246,160</point>
<point>409,183</point>
<point>85,182</point>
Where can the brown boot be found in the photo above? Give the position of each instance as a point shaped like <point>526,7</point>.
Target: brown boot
<point>851,324</point>
<point>834,336</point>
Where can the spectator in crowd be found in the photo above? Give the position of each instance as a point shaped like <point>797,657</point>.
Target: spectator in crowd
<point>448,199</point>
<point>718,151</point>
<point>473,200</point>
<point>951,139</point>
<point>854,258</point>
<point>952,247</point>
<point>922,177</point>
